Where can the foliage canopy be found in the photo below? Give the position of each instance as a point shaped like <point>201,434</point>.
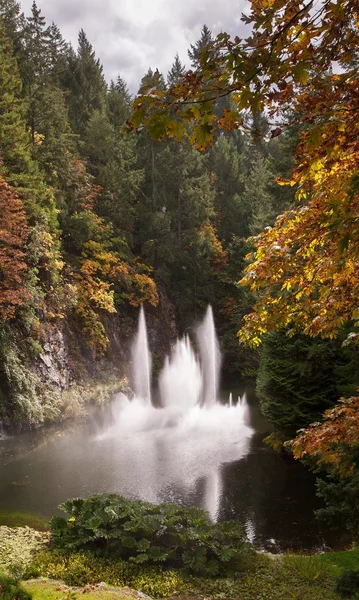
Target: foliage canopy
<point>299,65</point>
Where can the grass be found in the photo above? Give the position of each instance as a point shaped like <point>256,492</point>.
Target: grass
<point>337,562</point>
<point>19,519</point>
<point>56,590</point>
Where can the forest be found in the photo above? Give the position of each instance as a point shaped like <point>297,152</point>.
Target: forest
<point>230,181</point>
<point>96,221</point>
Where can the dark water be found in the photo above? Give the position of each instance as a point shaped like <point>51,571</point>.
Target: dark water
<point>234,478</point>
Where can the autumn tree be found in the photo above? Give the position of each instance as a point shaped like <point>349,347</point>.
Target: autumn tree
<point>332,448</point>
<point>13,267</point>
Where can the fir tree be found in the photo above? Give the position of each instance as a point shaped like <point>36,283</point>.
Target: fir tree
<point>196,49</point>
<point>176,72</point>
<point>14,139</point>
<point>119,104</point>
<point>85,83</point>
<point>300,377</point>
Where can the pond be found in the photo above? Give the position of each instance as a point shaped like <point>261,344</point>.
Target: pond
<point>213,460</point>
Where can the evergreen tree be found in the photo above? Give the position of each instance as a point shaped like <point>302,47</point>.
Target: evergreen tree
<point>14,139</point>
<point>300,377</point>
<point>228,161</point>
<point>119,104</point>
<point>85,84</point>
<point>176,72</point>
<point>196,49</point>
<point>258,195</point>
<point>13,21</point>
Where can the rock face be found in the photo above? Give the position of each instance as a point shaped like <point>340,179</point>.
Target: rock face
<point>66,375</point>
<point>54,361</point>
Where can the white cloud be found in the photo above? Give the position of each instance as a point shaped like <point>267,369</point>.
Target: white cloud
<point>129,36</point>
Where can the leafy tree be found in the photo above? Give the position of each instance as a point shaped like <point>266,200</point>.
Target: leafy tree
<point>332,446</point>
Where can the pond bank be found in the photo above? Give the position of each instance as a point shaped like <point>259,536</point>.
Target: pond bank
<point>304,577</point>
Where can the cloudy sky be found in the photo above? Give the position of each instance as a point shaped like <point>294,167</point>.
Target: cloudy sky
<point>131,35</point>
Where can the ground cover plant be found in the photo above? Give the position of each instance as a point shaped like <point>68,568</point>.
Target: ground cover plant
<point>262,578</point>
<point>145,533</point>
<point>10,589</point>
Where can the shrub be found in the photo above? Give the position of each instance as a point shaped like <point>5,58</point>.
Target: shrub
<point>10,589</point>
<point>146,533</point>
<point>80,569</point>
<point>348,584</point>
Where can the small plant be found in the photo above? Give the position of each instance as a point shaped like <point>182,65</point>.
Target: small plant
<point>145,533</point>
<point>305,567</point>
<point>70,595</point>
<point>10,589</point>
<point>348,584</point>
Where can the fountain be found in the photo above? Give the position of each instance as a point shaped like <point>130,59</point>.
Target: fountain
<point>141,358</point>
<point>181,379</point>
<point>179,446</point>
<point>210,357</point>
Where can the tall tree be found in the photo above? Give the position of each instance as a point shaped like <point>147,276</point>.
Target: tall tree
<point>14,139</point>
<point>196,49</point>
<point>85,83</point>
<point>176,72</point>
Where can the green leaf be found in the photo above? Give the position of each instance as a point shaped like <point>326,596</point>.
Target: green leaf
<point>139,559</point>
<point>143,545</point>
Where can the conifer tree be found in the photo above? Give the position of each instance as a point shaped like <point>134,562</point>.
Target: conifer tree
<point>176,72</point>
<point>229,162</point>
<point>196,49</point>
<point>14,139</point>
<point>300,377</point>
<point>257,194</point>
<point>13,21</point>
<point>85,83</point>
<point>119,104</point>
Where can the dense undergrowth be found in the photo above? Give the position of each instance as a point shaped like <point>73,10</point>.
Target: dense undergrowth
<point>258,577</point>
<point>298,577</point>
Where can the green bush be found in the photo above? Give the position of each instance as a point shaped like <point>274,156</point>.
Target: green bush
<point>10,589</point>
<point>145,533</point>
<point>348,584</point>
